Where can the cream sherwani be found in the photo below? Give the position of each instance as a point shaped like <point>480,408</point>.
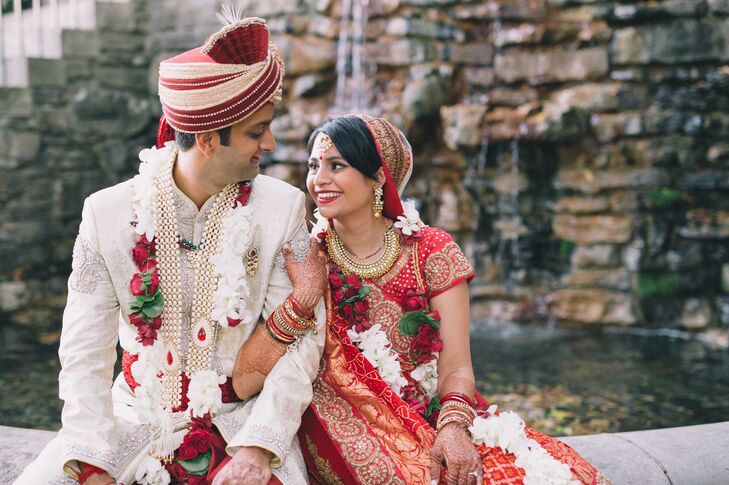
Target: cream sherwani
<point>100,426</point>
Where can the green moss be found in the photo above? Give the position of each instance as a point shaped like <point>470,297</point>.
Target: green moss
<point>565,249</point>
<point>657,284</point>
<point>664,197</point>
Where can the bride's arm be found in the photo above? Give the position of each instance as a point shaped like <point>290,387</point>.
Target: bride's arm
<point>268,343</point>
<point>453,443</point>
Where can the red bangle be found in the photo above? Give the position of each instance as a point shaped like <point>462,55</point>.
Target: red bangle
<point>306,314</point>
<point>456,396</point>
<point>86,471</point>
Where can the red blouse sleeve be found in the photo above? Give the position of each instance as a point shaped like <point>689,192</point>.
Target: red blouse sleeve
<point>442,262</point>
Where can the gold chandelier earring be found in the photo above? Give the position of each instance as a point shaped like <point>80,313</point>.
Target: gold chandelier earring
<point>377,205</point>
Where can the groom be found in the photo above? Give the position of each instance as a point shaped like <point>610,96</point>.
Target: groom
<point>179,265</point>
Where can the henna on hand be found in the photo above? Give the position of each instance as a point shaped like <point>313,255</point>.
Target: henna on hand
<point>307,272</point>
<point>453,446</point>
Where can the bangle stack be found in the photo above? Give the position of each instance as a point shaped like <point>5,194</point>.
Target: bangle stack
<point>286,323</point>
<point>456,407</point>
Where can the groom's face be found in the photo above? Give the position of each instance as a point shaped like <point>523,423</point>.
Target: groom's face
<point>240,159</point>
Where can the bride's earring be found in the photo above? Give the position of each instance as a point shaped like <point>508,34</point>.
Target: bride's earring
<point>377,204</point>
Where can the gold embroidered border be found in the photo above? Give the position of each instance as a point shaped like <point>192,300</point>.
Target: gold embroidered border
<point>323,467</point>
<point>445,266</point>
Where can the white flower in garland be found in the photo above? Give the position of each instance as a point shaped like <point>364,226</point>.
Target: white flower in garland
<point>427,376</point>
<point>145,371</point>
<point>375,347</point>
<point>410,222</point>
<point>506,431</point>
<point>152,472</point>
<point>144,188</point>
<point>232,291</point>
<point>204,393</point>
<point>321,225</point>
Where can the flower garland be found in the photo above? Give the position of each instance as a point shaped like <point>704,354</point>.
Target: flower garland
<point>417,387</point>
<point>506,431</point>
<point>204,396</point>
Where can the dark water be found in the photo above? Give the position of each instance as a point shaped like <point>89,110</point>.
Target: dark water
<point>588,380</point>
<point>562,381</point>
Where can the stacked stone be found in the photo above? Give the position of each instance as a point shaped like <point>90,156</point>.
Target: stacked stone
<point>77,127</point>
<point>577,148</point>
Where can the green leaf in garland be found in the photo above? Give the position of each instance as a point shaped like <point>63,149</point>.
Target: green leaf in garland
<point>153,308</point>
<point>363,292</point>
<point>198,465</point>
<point>410,322</point>
<point>433,405</point>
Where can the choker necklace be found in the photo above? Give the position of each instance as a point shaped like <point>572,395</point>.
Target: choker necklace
<point>338,253</point>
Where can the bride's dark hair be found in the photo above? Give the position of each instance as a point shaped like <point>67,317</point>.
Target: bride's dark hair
<point>353,140</point>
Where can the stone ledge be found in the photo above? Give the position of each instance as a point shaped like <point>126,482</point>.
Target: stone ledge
<point>685,455</point>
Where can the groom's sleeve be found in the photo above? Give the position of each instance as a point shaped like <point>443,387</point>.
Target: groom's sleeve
<point>287,390</point>
<point>88,353</point>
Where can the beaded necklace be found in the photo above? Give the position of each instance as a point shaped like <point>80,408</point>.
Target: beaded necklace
<point>339,254</point>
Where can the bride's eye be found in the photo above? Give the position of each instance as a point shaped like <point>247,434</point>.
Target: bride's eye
<point>312,166</point>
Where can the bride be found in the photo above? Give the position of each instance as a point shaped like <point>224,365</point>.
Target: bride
<point>395,398</point>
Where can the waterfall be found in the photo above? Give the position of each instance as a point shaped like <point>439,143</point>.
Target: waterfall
<point>351,60</point>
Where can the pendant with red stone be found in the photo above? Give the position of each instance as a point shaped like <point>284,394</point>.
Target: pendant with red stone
<point>202,334</point>
<point>170,358</point>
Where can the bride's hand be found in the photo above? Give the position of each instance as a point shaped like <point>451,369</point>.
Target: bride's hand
<point>308,275</point>
<point>453,446</point>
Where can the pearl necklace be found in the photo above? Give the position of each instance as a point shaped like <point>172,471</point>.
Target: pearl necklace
<point>199,355</point>
<point>366,271</point>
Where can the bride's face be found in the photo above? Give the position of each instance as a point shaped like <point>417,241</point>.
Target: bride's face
<point>338,189</point>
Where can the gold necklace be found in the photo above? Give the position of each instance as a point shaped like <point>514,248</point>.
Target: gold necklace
<point>338,253</point>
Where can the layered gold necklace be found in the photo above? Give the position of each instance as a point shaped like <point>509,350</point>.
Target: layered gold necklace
<point>339,254</point>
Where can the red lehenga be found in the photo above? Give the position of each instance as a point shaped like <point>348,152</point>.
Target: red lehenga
<point>357,429</point>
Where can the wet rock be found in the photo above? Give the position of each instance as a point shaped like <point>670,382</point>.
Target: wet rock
<point>478,53</point>
<point>590,182</point>
<point>16,101</point>
<point>46,72</point>
<point>592,306</point>
<point>552,65</point>
<point>455,210</point>
<point>674,42</point>
<point>722,310</point>
<point>23,146</point>
<point>520,34</point>
<point>592,229</point>
<point>582,205</point>
<point>478,76</point>
<point>719,6</point>
<point>461,124</point>
<point>513,97</point>
<point>696,313</point>
<point>601,255</point>
<point>725,277</point>
<point>424,94</point>
<point>708,179</point>
<point>502,9</point>
<point>706,224</point>
<point>611,279</point>
<point>402,52</point>
<point>306,55</point>
<point>270,8</point>
<point>511,183</point>
<point>589,96</point>
<point>310,85</point>
<point>718,152</point>
<point>608,127</point>
<point>623,201</point>
<point>324,27</point>
<point>418,27</point>
<point>13,295</point>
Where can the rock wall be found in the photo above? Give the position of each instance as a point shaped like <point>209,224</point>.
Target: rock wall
<point>576,148</point>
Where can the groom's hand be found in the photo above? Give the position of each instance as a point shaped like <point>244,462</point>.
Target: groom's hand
<point>250,465</point>
<point>308,274</point>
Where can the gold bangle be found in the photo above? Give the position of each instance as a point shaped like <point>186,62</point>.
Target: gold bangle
<point>305,323</point>
<point>284,325</point>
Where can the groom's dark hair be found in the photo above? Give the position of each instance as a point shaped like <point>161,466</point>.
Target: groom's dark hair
<point>353,140</point>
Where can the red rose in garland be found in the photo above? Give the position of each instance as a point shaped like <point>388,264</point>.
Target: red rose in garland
<point>195,442</point>
<point>413,301</point>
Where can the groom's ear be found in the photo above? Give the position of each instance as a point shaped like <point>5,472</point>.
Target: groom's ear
<point>207,142</point>
<point>380,176</point>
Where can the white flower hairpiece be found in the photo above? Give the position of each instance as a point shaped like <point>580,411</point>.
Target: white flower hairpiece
<point>409,223</point>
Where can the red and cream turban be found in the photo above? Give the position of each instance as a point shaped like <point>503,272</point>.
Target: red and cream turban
<point>222,82</point>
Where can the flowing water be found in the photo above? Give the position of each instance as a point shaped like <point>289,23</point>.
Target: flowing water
<point>562,380</point>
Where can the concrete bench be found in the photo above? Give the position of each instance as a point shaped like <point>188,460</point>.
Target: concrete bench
<point>690,455</point>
